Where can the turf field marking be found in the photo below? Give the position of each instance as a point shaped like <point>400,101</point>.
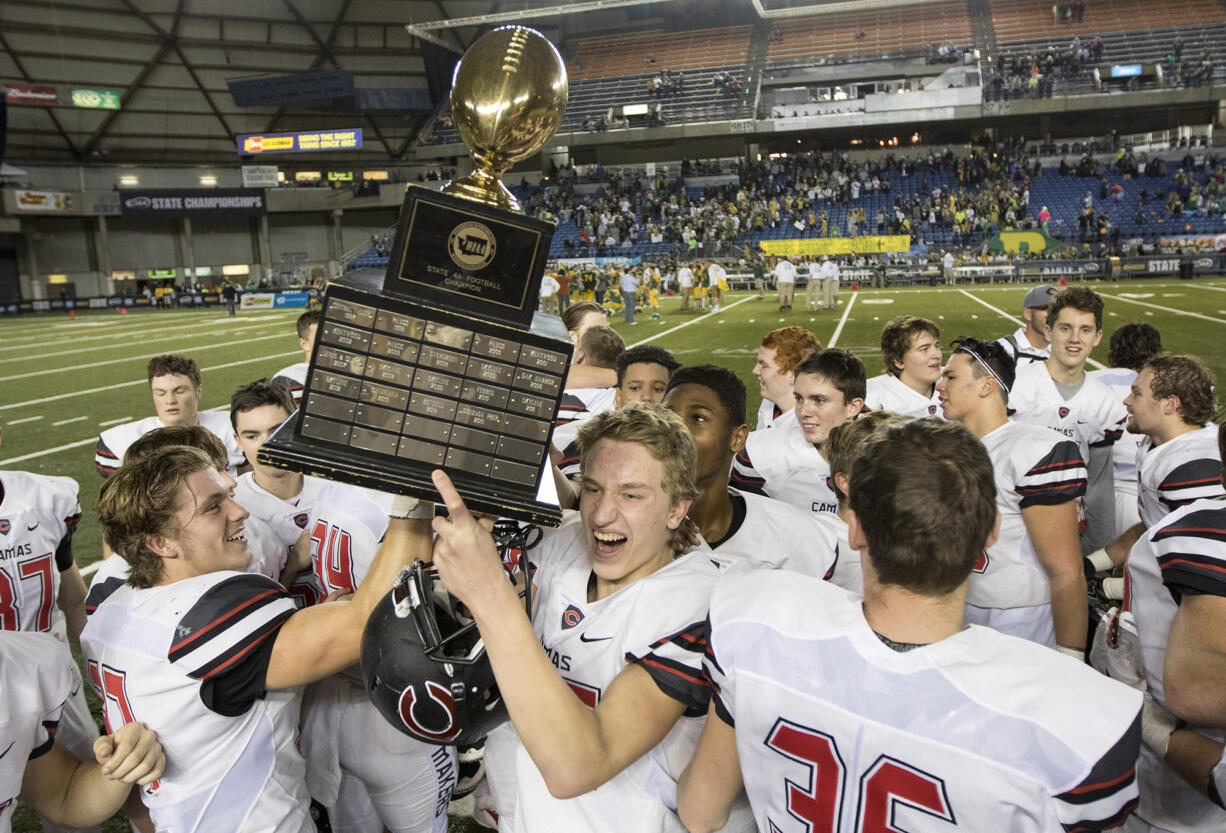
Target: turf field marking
<point>131,358</point>
<point>682,326</point>
<point>70,419</point>
<point>834,339</point>
<point>118,385</point>
<point>1164,309</point>
<point>136,328</point>
<point>1207,286</point>
<point>1004,314</point>
<point>25,419</point>
<point>113,421</point>
<point>47,451</point>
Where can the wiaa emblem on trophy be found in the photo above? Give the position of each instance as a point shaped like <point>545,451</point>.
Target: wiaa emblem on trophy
<point>442,361</point>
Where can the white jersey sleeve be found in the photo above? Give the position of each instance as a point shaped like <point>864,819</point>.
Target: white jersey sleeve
<point>1178,472</point>
<point>979,730</point>
<point>113,442</point>
<point>774,534</point>
<point>36,678</point>
<point>889,393</point>
<point>779,463</point>
<point>38,516</point>
<point>293,379</point>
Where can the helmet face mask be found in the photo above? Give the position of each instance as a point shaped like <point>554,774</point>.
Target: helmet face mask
<point>425,667</point>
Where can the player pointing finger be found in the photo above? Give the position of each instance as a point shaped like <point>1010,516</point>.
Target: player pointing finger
<point>464,551</point>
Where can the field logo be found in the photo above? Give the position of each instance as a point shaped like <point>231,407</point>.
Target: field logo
<point>471,246</point>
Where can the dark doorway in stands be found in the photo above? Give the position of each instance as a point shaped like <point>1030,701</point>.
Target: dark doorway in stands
<point>10,286</point>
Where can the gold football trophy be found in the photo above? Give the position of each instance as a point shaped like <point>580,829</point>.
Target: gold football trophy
<point>442,361</point>
<point>508,96</point>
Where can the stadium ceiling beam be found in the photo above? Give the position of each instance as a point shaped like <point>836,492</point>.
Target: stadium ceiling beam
<point>170,39</point>
<point>50,111</point>
<point>831,8</point>
<point>425,31</point>
<point>324,47</point>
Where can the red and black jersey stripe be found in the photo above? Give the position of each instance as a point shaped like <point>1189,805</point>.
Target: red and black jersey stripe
<point>1114,772</point>
<point>100,592</point>
<point>1193,571</point>
<point>743,479</point>
<point>1209,524</point>
<point>50,727</point>
<point>1187,481</point>
<point>105,453</point>
<point>213,617</point>
<point>682,682</point>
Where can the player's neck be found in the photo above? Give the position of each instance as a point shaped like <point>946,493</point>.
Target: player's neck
<point>903,616</point>
<point>985,420</point>
<point>1063,375</point>
<point>286,485</point>
<point>918,385</point>
<point>1170,430</point>
<point>712,509</point>
<point>786,405</point>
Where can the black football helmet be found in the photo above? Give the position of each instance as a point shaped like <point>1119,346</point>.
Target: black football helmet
<point>423,659</point>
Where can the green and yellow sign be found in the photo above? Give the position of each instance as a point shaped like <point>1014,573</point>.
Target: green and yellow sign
<point>96,99</point>
<point>869,244</point>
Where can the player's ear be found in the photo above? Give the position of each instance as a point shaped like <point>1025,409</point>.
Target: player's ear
<point>994,534</point>
<point>161,546</point>
<point>677,514</point>
<point>855,533</point>
<point>736,443</point>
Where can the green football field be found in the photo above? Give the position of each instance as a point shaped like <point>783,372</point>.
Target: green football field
<point>62,380</point>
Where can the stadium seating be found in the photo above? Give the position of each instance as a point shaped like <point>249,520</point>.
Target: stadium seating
<point>891,32</point>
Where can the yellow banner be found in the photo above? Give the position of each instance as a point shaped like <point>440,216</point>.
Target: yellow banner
<point>837,245</point>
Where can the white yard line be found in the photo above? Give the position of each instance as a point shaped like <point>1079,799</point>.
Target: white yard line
<point>47,451</point>
<point>1164,309</point>
<point>105,362</point>
<point>89,569</point>
<point>81,418</point>
<point>1015,320</point>
<point>134,382</point>
<point>26,419</point>
<point>834,339</point>
<point>663,333</point>
<point>113,421</point>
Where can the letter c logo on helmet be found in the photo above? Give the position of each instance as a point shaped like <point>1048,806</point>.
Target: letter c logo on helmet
<point>440,724</point>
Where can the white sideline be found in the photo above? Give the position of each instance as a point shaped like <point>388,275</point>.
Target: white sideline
<point>1164,309</point>
<point>834,339</point>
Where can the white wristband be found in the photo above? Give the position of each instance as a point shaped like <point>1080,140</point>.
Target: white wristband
<point>1157,724</point>
<point>1101,561</point>
<point>1113,588</point>
<point>1078,654</point>
<point>410,508</point>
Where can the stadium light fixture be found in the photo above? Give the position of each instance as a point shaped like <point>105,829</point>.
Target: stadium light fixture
<point>208,180</point>
<point>129,180</point>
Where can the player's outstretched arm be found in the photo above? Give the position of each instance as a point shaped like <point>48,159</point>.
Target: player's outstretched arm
<point>319,641</point>
<point>589,376</point>
<point>712,780</point>
<point>575,748</point>
<point>73,793</point>
<point>1053,531</point>
<point>1194,671</point>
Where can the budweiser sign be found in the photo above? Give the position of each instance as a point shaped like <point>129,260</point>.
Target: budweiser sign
<point>29,94</point>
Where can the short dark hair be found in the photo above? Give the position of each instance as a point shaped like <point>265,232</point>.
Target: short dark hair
<point>645,354</point>
<point>140,500</point>
<point>601,346</point>
<point>1080,298</point>
<point>1132,344</point>
<point>989,357</point>
<point>791,344</point>
<point>727,386</point>
<point>192,436</point>
<point>572,315</point>
<point>845,440</point>
<point>924,494</point>
<point>838,367</point>
<point>896,339</point>
<point>173,365</point>
<point>307,319</point>
<point>256,394</point>
<point>1187,378</point>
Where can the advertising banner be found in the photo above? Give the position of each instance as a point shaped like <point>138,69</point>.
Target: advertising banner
<point>291,299</point>
<point>837,245</point>
<point>258,300</point>
<point>31,95</point>
<point>314,141</point>
<point>96,99</point>
<point>195,202</point>
<point>44,202</point>
<point>259,176</point>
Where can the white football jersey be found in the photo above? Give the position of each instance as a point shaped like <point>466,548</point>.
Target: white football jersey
<point>1020,349</point>
<point>36,676</point>
<point>780,463</point>
<point>848,572</point>
<point>1177,472</point>
<point>286,520</point>
<point>113,442</point>
<point>579,404</point>
<point>1124,453</point>
<point>889,393</point>
<point>770,533</point>
<point>655,622</point>
<point>293,379</point>
<point>838,731</point>
<point>38,515</point>
<point>1184,550</point>
<point>1032,466</point>
<point>771,415</point>
<point>188,660</point>
<point>1093,416</point>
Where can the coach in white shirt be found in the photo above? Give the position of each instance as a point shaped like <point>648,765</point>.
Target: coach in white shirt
<point>1030,342</point>
<point>785,278</point>
<point>685,283</point>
